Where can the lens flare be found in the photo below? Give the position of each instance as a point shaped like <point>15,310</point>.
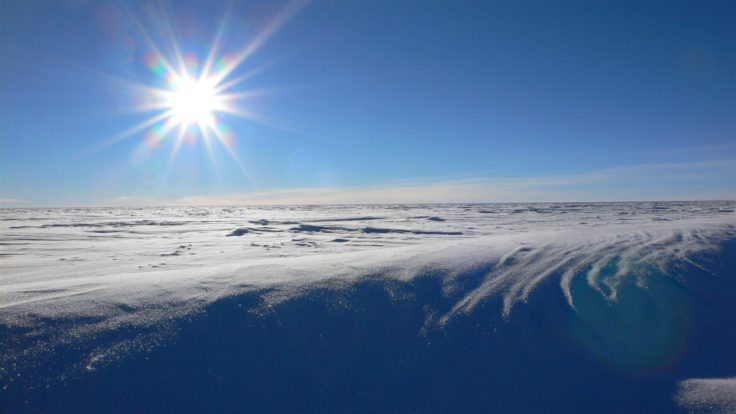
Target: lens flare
<point>189,94</point>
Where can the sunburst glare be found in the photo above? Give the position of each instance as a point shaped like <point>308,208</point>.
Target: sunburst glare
<point>187,99</point>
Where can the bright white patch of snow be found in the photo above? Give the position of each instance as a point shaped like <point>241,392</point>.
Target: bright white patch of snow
<point>139,265</point>
<point>708,395</point>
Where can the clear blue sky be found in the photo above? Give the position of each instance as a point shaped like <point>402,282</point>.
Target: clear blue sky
<point>376,101</point>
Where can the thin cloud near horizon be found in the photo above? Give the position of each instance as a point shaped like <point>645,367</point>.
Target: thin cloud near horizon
<point>674,181</point>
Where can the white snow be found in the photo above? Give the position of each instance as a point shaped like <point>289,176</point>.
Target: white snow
<point>71,275</point>
<point>711,395</point>
<point>136,265</point>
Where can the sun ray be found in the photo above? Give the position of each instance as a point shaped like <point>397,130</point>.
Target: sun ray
<point>207,138</point>
<point>262,119</point>
<point>234,156</point>
<point>223,86</point>
<point>161,133</point>
<point>183,70</point>
<point>175,149</point>
<point>188,98</point>
<point>252,93</point>
<point>215,48</point>
<point>141,31</point>
<point>128,132</point>
<point>261,38</point>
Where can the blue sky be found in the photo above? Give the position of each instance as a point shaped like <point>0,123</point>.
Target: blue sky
<point>376,101</point>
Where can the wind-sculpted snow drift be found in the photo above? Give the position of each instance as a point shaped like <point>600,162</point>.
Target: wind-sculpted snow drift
<point>604,307</point>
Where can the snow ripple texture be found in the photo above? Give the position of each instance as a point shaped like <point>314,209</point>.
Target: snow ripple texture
<point>72,274</point>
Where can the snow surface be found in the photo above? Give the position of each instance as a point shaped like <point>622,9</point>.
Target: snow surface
<point>715,395</point>
<point>69,276</point>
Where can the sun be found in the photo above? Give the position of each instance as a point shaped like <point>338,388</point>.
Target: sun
<point>193,101</point>
<point>192,96</point>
